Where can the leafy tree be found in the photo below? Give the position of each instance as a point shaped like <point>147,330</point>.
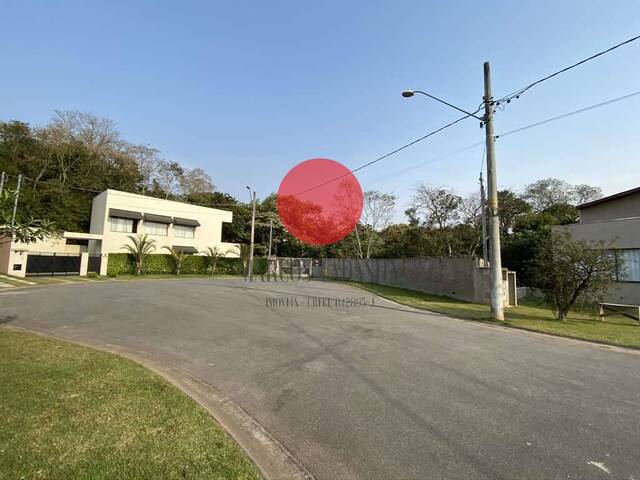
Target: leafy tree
<point>574,272</point>
<point>25,229</point>
<point>511,206</point>
<point>140,247</point>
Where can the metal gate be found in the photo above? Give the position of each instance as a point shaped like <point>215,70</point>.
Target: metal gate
<point>50,264</point>
<point>95,260</point>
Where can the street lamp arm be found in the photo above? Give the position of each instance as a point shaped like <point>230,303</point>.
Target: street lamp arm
<point>448,104</point>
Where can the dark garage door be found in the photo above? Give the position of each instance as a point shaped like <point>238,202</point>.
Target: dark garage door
<point>95,259</point>
<point>40,264</point>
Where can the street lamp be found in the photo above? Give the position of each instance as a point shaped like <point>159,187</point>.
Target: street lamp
<point>252,197</point>
<point>495,264</point>
<point>410,93</point>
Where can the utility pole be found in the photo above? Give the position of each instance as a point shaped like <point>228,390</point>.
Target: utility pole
<point>483,215</point>
<point>15,202</point>
<point>253,228</point>
<point>497,308</point>
<point>270,235</point>
<point>1,182</point>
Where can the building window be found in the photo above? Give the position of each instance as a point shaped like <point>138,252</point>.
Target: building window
<point>629,270</point>
<point>183,231</point>
<point>124,225</point>
<point>154,228</point>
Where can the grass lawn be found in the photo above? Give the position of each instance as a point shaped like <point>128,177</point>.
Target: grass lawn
<point>71,412</point>
<point>532,315</point>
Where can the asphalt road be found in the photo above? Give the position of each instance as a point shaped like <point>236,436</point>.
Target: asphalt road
<point>361,392</point>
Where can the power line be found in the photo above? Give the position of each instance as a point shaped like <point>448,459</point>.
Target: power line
<point>564,115</point>
<point>426,162</point>
<point>517,93</point>
<point>387,155</point>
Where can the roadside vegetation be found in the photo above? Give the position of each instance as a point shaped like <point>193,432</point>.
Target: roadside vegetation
<point>530,314</point>
<point>74,412</point>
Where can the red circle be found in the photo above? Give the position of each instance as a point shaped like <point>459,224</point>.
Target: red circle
<point>320,201</point>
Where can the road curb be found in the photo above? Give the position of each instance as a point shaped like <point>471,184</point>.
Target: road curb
<point>273,460</point>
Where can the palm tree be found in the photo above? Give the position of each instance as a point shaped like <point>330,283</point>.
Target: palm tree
<point>215,254</point>
<point>178,258</point>
<point>140,247</point>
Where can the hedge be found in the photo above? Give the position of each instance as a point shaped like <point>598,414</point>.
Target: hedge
<point>124,264</point>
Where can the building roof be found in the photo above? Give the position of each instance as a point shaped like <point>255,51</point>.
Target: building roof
<point>615,196</point>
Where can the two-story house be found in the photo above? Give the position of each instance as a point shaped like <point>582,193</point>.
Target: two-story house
<point>114,216</point>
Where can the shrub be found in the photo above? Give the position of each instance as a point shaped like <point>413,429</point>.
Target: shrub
<point>92,274</point>
<point>124,264</point>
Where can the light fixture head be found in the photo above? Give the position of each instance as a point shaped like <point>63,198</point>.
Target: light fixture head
<point>408,93</point>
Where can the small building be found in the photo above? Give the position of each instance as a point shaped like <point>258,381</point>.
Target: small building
<point>114,216</point>
<point>615,219</point>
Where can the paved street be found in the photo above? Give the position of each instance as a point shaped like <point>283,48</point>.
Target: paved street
<point>360,392</point>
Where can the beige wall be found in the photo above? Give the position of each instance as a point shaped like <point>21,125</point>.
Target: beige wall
<point>624,207</point>
<point>208,234</point>
<point>623,233</point>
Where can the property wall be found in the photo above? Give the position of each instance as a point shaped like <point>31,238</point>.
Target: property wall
<point>208,234</point>
<point>451,277</point>
<point>5,254</point>
<point>624,207</point>
<point>455,277</point>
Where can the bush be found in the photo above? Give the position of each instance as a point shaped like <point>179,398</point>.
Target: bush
<point>124,264</point>
<point>92,274</point>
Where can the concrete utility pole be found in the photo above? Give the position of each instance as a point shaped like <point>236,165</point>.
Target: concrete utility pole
<point>497,308</point>
<point>253,228</point>
<point>483,217</point>
<point>15,201</point>
<point>1,182</point>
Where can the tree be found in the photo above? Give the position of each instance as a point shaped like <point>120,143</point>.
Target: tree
<point>140,247</point>
<point>147,159</point>
<point>511,207</point>
<point>195,181</point>
<point>471,214</point>
<point>377,210</point>
<point>214,254</point>
<point>585,193</point>
<point>167,177</point>
<point>547,192</point>
<point>178,257</point>
<point>574,272</point>
<point>440,209</point>
<point>24,229</point>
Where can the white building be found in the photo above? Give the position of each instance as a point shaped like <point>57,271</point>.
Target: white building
<point>114,216</point>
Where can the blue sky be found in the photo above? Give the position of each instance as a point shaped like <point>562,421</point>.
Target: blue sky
<point>246,90</point>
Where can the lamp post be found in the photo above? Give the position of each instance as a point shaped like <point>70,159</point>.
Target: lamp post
<point>252,197</point>
<point>497,308</point>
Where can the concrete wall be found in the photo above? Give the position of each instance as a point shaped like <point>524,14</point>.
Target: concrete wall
<point>455,277</point>
<point>624,207</point>
<point>208,234</point>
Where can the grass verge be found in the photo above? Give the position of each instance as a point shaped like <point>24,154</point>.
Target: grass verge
<point>73,412</point>
<point>530,315</point>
